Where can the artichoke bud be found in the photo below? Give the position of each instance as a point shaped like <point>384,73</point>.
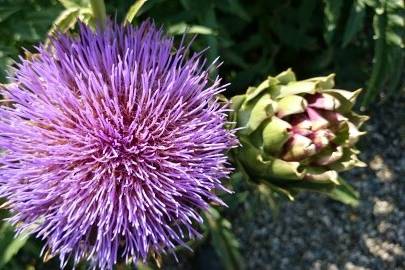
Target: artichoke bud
<point>295,132</point>
<point>329,156</point>
<point>354,134</point>
<point>299,148</point>
<point>322,138</point>
<point>324,101</point>
<point>320,174</point>
<point>275,135</point>
<point>292,104</point>
<point>317,120</point>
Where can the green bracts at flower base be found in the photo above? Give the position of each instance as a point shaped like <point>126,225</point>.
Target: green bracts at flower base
<point>298,135</point>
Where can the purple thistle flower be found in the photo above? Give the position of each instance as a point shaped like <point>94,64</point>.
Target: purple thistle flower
<point>114,142</point>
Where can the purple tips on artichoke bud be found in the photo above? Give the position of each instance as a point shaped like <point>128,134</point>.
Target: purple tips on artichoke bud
<point>317,120</point>
<point>312,127</point>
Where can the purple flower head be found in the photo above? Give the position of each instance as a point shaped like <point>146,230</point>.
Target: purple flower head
<point>114,142</point>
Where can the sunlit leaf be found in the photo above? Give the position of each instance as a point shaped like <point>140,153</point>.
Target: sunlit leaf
<point>183,28</point>
<point>345,194</point>
<point>74,3</point>
<point>133,10</point>
<point>66,20</point>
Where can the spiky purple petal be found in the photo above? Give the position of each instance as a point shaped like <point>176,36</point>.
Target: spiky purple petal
<point>114,142</point>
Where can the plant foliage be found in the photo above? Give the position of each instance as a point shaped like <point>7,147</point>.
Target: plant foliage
<point>360,40</point>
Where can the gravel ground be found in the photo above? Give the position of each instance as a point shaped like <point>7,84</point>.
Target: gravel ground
<point>318,233</point>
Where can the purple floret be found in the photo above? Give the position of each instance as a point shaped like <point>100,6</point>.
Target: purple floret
<point>114,142</point>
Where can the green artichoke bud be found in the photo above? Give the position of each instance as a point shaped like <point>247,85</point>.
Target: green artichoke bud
<point>298,134</point>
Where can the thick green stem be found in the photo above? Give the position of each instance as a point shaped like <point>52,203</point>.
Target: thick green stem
<point>99,13</point>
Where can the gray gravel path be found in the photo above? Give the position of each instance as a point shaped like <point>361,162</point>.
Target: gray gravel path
<point>318,233</point>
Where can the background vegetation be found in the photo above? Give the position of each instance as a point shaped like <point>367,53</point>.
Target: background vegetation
<point>360,40</point>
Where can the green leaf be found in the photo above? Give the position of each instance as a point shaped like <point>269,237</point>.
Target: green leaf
<point>355,22</point>
<point>6,12</point>
<point>133,10</point>
<point>208,18</point>
<point>345,193</point>
<point>305,11</point>
<point>234,7</point>
<point>295,88</point>
<point>236,103</point>
<point>396,63</point>
<point>10,245</point>
<point>321,187</point>
<point>348,161</point>
<point>74,3</point>
<point>262,110</point>
<point>321,174</point>
<point>293,37</point>
<point>86,16</point>
<point>358,119</point>
<point>292,104</point>
<point>324,82</point>
<point>285,192</point>
<point>379,61</point>
<point>143,266</point>
<point>66,20</point>
<point>223,240</point>
<point>347,98</point>
<point>389,32</point>
<point>328,156</point>
<point>253,92</point>
<point>342,192</point>
<point>286,77</point>
<point>267,195</point>
<point>332,12</point>
<point>394,39</point>
<point>266,167</point>
<point>241,169</point>
<point>275,134</point>
<point>183,28</point>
